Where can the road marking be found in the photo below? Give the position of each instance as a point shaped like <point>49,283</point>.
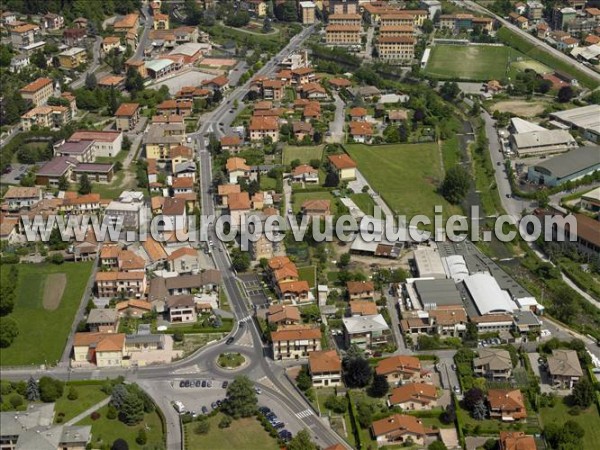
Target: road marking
<point>305,413</point>
<point>246,319</point>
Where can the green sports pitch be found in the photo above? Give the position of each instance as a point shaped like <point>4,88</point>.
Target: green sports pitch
<point>471,62</point>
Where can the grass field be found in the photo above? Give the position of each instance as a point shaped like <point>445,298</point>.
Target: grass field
<point>243,433</point>
<point>304,154</point>
<point>107,431</point>
<point>88,396</point>
<point>405,175</point>
<point>476,63</point>
<point>308,274</point>
<point>364,201</point>
<point>536,52</point>
<point>588,419</point>
<point>42,333</point>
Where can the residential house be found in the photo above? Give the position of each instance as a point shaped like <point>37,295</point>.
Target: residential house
<point>225,190</point>
<point>100,349</point>
<point>126,23</point>
<point>307,9</point>
<point>236,169</point>
<point>493,363</point>
<point>45,116</point>
<point>506,405</point>
<point>38,91</point>
<point>109,256</point>
<point>294,291</point>
<point>403,369</point>
<point>17,197</point>
<point>273,90</point>
<point>263,127</point>
<point>19,62</point>
<point>313,91</point>
<point>182,185</point>
<point>177,107</point>
<point>325,368</point>
<point>231,144</point>
<point>344,166</point>
<point>103,320</point>
<point>72,58</point>
<point>399,429</point>
<point>162,137</point>
<point>303,75</point>
<point>358,114</point>
<point>184,260</point>
<point>126,284</point>
<point>316,208</point>
<point>129,209</point>
<point>339,83</point>
<point>174,214</point>
<point>360,290</point>
<point>161,22</point>
<point>516,440</point>
<point>295,341</point>
<point>306,174</point>
<point>238,204</point>
<point>397,116</point>
<point>366,331</point>
<point>133,308</point>
<point>127,116</point>
<point>414,397</point>
<point>396,48</point>
<point>302,131</point>
<point>182,309</point>
<point>74,37</point>
<point>105,143</point>
<point>111,43</point>
<point>564,368</point>
<point>363,308</point>
<point>283,315</point>
<point>220,83</point>
<point>24,35</point>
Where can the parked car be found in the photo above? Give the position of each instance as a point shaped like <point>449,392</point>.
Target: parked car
<point>204,410</point>
<point>203,383</point>
<point>214,405</point>
<point>229,341</point>
<point>225,384</point>
<point>209,383</point>
<point>264,410</point>
<point>257,390</point>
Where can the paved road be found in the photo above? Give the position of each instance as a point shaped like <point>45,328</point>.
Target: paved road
<point>139,51</point>
<point>540,44</point>
<point>336,127</point>
<point>93,66</point>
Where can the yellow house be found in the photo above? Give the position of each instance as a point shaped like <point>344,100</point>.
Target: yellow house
<point>72,58</point>
<point>345,166</point>
<point>101,349</point>
<point>161,138</point>
<point>258,7</point>
<point>161,21</point>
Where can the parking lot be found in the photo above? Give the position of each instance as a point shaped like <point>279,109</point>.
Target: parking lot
<point>189,78</point>
<point>17,172</point>
<point>254,290</point>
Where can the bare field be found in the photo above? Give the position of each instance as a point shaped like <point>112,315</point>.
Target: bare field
<point>521,107</point>
<point>54,286</point>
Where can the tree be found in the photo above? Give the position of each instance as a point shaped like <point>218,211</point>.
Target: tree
<point>565,94</point>
<point>225,422</point>
<point>583,393</point>
<point>73,394</point>
<point>568,436</point>
<point>238,20</point>
<point>63,183</point>
<point>203,427</point>
<point>118,395</point>
<point>456,184</point>
<point>33,390</point>
<point>332,179</point>
<point>301,441</point>
<point>112,102</point>
<point>8,332</point>
<point>336,404</point>
<point>449,90</point>
<point>379,386</point>
<point>241,398</point>
<point>240,260</point>
<point>51,389</point>
<point>85,187</point>
<point>472,333</point>
<point>7,299</point>
<point>479,410</point>
<point>15,400</point>
<point>141,437</point>
<point>364,413</point>
<point>357,372</point>
<point>134,82</point>
<point>449,414</point>
<point>303,379</point>
<point>472,397</point>
<point>39,60</point>
<point>437,445</point>
<point>120,444</point>
<point>132,410</point>
<point>91,82</point>
<point>126,144</point>
<point>310,313</point>
<point>427,26</point>
<point>344,260</point>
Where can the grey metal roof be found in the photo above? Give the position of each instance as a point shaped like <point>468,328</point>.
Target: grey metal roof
<point>144,339</point>
<point>572,162</point>
<point>102,315</point>
<point>441,292</point>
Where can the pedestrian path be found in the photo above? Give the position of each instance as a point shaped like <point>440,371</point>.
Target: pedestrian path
<point>88,411</point>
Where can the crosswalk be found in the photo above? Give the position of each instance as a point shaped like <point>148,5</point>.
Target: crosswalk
<point>305,413</point>
<point>246,319</point>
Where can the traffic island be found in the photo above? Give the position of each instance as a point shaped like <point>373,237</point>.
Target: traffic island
<point>232,361</point>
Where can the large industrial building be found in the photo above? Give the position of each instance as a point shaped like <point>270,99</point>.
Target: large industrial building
<point>542,142</point>
<point>569,166</point>
<point>586,120</point>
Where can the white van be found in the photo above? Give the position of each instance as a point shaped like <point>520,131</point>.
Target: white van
<point>179,407</point>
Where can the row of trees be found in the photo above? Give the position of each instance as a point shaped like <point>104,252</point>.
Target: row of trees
<point>9,329</point>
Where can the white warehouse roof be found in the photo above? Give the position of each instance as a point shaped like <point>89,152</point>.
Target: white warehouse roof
<point>455,267</point>
<point>487,295</point>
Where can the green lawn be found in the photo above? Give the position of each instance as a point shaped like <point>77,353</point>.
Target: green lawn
<point>231,360</point>
<point>43,333</point>
<point>365,202</point>
<point>588,419</point>
<point>308,274</point>
<point>511,38</point>
<point>243,433</point>
<point>299,197</point>
<point>476,63</point>
<point>107,431</point>
<point>267,183</point>
<point>88,396</point>
<point>405,175</point>
<point>304,154</point>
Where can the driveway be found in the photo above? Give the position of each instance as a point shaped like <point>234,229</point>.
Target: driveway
<point>336,127</point>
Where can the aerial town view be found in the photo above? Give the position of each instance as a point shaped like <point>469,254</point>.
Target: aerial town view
<point>301,225</point>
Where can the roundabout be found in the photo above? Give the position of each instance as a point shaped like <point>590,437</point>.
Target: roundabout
<point>232,361</point>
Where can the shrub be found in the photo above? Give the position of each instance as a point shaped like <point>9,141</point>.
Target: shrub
<point>73,394</point>
<point>95,415</point>
<point>203,427</point>
<point>225,422</point>
<point>15,400</point>
<point>111,414</point>
<point>141,437</point>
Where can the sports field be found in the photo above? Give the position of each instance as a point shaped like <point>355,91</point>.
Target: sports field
<point>405,175</point>
<point>473,63</point>
<point>47,297</point>
<point>303,154</point>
